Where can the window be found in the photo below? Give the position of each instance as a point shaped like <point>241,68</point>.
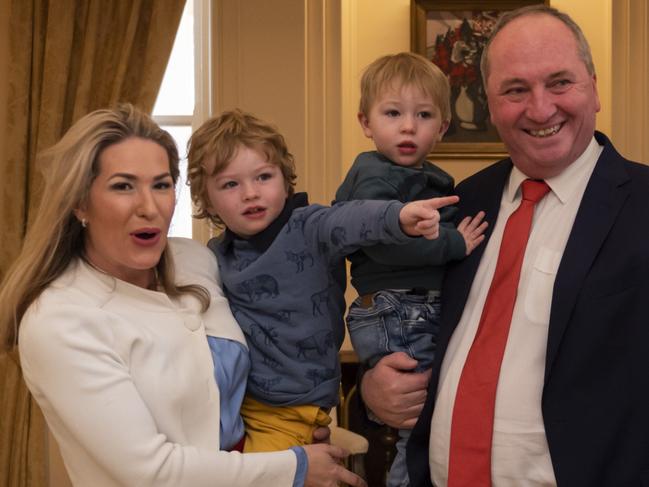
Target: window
<point>180,104</point>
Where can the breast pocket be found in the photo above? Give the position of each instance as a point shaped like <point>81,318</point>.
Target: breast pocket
<point>538,297</point>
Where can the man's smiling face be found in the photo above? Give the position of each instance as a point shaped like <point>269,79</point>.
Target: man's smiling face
<point>541,97</point>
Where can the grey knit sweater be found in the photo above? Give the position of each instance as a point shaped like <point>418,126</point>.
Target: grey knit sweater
<point>420,263</point>
<point>286,289</point>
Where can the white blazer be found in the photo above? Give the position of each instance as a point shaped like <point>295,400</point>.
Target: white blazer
<point>125,380</point>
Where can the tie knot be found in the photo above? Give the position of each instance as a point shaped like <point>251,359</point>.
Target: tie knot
<point>534,190</point>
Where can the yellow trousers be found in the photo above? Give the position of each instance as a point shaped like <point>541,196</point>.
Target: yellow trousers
<point>274,428</point>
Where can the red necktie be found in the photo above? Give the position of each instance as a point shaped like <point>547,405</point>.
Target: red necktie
<point>473,411</point>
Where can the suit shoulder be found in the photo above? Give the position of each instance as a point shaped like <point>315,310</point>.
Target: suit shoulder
<point>495,172</point>
<point>638,170</point>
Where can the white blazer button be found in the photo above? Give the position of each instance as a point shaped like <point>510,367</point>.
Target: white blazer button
<point>192,323</point>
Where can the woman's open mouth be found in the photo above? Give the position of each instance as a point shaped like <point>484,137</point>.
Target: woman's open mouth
<point>146,236</point>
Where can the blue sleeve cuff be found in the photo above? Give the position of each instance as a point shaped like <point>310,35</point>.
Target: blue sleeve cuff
<point>302,466</point>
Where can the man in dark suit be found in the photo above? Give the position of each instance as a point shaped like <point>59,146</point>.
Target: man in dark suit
<point>572,395</point>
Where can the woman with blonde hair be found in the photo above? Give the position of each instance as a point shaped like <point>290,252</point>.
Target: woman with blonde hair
<point>112,335</point>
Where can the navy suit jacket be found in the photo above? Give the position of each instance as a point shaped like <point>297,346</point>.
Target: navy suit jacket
<point>595,401</point>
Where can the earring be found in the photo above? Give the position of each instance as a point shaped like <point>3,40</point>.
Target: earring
<point>84,222</point>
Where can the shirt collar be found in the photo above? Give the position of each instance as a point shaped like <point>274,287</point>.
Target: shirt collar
<point>266,237</point>
<point>564,184</point>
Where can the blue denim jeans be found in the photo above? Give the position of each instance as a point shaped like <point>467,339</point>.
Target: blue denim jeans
<point>397,321</point>
<point>398,475</point>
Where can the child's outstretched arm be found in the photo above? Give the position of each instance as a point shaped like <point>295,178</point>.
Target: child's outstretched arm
<point>472,229</point>
<point>421,218</point>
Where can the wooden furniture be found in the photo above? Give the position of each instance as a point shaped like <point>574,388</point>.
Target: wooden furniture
<point>352,416</point>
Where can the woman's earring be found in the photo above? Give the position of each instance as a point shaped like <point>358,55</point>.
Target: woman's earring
<point>84,222</point>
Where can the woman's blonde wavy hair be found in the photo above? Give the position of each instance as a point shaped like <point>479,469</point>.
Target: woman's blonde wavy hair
<point>56,238</point>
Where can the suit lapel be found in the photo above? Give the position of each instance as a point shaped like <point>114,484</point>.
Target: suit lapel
<point>605,195</point>
<point>481,192</point>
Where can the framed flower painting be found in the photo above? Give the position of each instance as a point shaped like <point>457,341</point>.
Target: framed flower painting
<point>453,34</point>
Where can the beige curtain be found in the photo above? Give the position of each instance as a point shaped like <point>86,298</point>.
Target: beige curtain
<point>60,59</point>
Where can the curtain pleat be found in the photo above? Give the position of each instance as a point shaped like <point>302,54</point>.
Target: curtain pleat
<point>23,453</point>
<point>59,60</point>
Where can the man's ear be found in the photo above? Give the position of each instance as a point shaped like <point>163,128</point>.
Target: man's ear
<point>365,124</point>
<point>598,105</point>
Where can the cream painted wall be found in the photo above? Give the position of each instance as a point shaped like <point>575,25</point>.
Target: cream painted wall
<point>595,17</point>
<point>372,28</point>
<point>280,60</point>
<point>261,69</point>
<point>630,78</point>
<point>298,64</point>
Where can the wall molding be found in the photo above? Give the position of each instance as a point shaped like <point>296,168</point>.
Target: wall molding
<point>630,74</point>
<point>281,60</point>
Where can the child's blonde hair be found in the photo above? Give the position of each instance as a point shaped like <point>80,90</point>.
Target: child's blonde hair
<point>216,142</point>
<point>402,69</point>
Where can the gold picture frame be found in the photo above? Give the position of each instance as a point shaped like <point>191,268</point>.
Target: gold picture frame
<point>452,34</point>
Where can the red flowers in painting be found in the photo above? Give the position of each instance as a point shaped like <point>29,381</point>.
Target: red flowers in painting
<point>458,52</point>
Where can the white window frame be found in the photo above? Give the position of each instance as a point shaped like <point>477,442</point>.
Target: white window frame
<point>203,108</point>
<point>202,92</point>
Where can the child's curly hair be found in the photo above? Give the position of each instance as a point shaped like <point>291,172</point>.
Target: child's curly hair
<point>216,142</point>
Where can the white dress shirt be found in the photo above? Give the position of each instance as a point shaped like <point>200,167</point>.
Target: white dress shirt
<point>520,455</point>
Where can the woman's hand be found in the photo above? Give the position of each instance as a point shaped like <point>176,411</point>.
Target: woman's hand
<point>325,467</point>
